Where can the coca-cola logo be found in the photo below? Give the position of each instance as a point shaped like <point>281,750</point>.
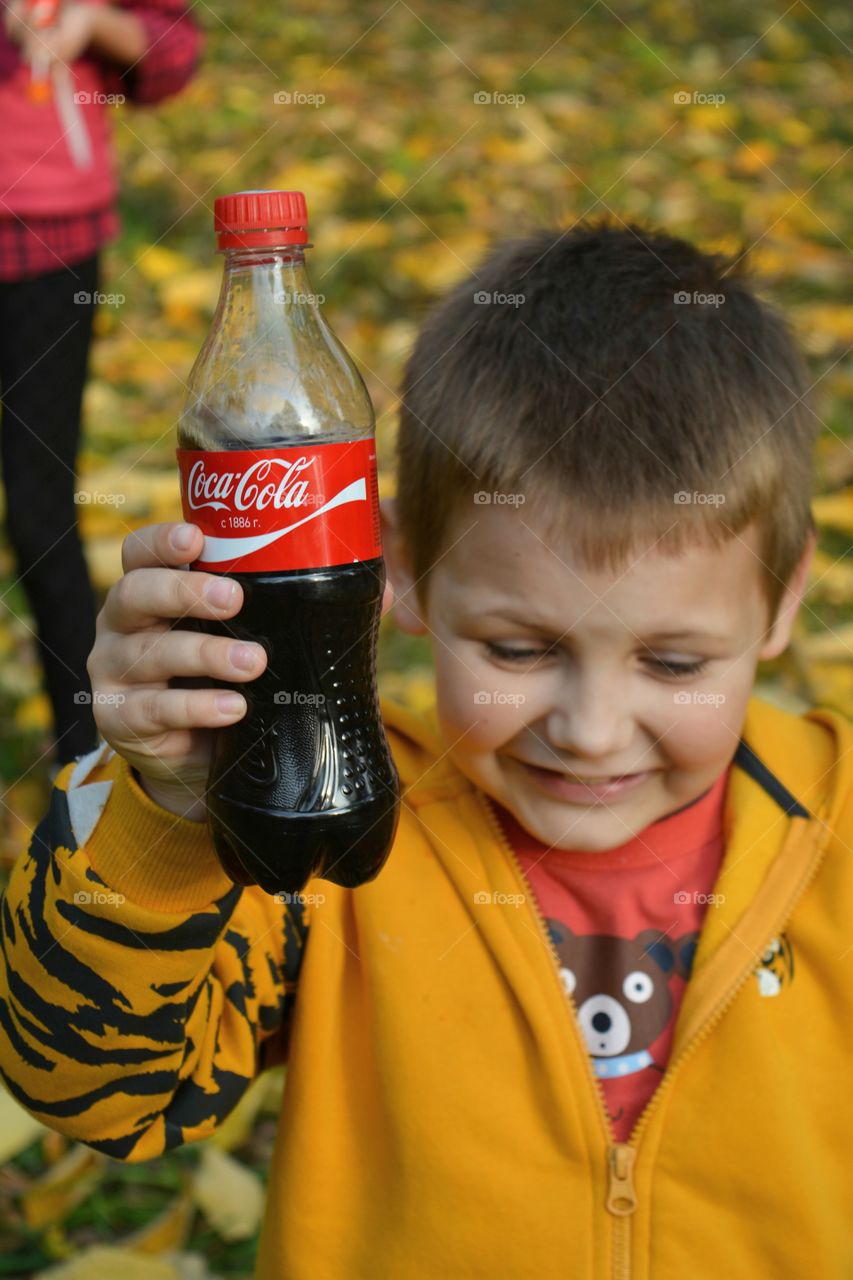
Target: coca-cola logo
<point>256,488</point>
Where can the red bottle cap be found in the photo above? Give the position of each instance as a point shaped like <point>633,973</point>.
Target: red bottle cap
<point>251,218</point>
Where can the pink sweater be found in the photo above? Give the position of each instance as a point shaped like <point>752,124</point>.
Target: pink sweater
<point>42,193</point>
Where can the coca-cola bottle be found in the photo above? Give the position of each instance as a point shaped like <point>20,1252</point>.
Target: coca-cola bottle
<point>277,459</point>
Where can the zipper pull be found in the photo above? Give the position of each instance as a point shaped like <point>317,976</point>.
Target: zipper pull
<point>621,1195</point>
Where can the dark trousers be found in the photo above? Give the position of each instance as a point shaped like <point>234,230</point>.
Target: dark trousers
<point>44,347</point>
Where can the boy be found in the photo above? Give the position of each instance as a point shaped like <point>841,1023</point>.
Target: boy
<point>586,1020</point>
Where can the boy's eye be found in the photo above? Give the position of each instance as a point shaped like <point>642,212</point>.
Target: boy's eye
<point>678,668</point>
<point>514,655</point>
<point>529,655</point>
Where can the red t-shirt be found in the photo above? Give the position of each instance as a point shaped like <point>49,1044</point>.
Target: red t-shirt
<point>625,924</point>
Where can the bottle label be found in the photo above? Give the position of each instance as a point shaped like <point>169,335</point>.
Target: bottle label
<point>307,506</point>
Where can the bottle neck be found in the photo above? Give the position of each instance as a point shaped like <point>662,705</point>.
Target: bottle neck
<point>268,277</point>
<point>292,255</point>
<point>271,369</point>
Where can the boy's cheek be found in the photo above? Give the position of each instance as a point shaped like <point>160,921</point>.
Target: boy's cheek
<point>464,718</point>
<point>465,701</point>
<point>477,716</point>
<point>478,688</point>
<point>705,730</point>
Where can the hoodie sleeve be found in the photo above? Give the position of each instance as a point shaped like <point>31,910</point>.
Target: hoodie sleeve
<point>175,43</point>
<point>141,990</point>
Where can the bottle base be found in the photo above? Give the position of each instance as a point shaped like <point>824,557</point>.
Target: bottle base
<point>348,847</point>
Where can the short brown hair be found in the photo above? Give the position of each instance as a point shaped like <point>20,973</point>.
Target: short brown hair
<point>602,371</point>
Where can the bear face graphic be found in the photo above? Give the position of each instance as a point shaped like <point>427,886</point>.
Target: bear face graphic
<point>620,986</point>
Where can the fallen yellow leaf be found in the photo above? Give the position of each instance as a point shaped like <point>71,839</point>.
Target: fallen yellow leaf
<point>230,1196</point>
<point>65,1184</point>
<point>34,713</point>
<point>102,1262</point>
<point>157,263</point>
<point>17,1127</point>
<point>169,1230</point>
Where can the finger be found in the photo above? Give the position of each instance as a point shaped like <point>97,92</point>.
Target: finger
<point>187,749</point>
<point>144,597</point>
<point>147,712</point>
<point>150,657</point>
<point>158,544</point>
<point>387,599</point>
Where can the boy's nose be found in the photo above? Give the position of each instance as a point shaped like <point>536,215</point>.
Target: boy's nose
<point>592,722</point>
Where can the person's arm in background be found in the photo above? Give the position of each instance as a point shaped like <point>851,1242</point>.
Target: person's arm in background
<point>148,50</point>
<point>173,46</point>
<point>80,29</point>
<point>117,34</point>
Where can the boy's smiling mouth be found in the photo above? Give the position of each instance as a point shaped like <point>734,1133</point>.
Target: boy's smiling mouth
<point>573,787</point>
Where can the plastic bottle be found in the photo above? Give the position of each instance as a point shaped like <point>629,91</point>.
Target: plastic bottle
<point>277,458</point>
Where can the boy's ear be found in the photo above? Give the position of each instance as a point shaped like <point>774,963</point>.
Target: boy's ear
<point>780,633</point>
<point>399,573</point>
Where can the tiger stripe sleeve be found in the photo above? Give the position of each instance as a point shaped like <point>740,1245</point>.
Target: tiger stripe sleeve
<point>141,990</point>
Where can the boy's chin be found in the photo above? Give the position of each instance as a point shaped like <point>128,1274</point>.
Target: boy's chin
<point>577,835</point>
<point>581,828</point>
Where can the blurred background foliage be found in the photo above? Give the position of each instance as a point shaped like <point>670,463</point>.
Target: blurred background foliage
<point>408,179</point>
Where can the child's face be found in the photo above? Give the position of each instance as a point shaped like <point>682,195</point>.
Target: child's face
<point>587,694</point>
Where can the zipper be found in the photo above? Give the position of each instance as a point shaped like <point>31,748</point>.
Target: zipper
<point>621,1202</point>
<point>621,1194</point>
<point>597,1089</point>
<point>621,1199</point>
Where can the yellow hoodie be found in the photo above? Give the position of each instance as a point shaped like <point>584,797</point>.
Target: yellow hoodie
<point>440,1117</point>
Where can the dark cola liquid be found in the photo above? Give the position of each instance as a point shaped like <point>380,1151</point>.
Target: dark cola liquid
<point>304,785</point>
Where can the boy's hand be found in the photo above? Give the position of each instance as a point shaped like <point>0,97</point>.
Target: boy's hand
<point>165,733</point>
